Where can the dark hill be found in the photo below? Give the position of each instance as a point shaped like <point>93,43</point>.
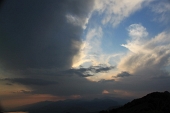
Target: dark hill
<point>156,102</point>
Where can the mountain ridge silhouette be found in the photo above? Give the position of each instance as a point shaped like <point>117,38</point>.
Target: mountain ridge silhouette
<point>156,102</point>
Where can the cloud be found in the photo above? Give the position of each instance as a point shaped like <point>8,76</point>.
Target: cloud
<point>38,34</point>
<point>76,21</point>
<point>24,92</point>
<point>162,8</point>
<point>1,2</point>
<point>69,85</point>
<point>91,52</point>
<point>105,92</point>
<point>138,34</point>
<point>39,40</point>
<point>90,71</point>
<point>149,56</point>
<point>116,11</point>
<point>90,48</point>
<point>137,31</point>
<point>123,74</point>
<point>29,81</point>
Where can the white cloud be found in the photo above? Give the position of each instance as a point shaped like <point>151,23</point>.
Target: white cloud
<point>138,35</point>
<point>90,48</point>
<point>149,56</point>
<point>115,11</point>
<point>77,21</point>
<point>137,31</point>
<point>163,9</point>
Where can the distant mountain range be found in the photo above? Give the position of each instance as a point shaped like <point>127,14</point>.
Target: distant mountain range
<point>156,102</point>
<point>70,106</point>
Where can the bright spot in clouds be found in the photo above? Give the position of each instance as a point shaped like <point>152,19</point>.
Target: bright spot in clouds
<point>105,92</point>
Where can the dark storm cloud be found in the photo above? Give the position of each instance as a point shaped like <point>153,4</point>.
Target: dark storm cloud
<point>123,74</point>
<point>85,72</point>
<point>37,34</point>
<point>29,81</point>
<point>1,1</point>
<point>38,40</point>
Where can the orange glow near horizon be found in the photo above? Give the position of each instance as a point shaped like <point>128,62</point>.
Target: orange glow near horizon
<point>13,101</point>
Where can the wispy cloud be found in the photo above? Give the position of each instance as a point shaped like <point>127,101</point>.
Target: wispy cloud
<point>90,48</point>
<point>115,11</point>
<point>29,81</point>
<point>77,21</point>
<point>162,8</point>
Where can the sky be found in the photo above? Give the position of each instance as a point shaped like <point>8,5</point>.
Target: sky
<point>76,49</point>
